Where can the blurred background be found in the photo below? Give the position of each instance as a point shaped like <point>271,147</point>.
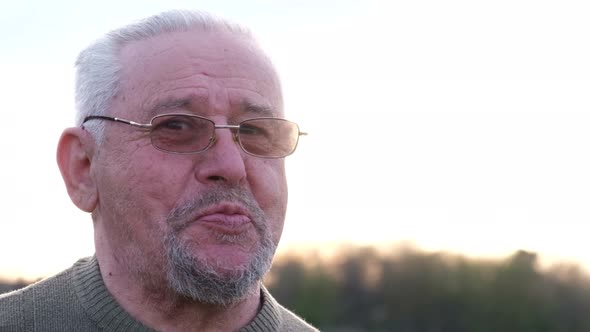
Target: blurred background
<point>444,185</point>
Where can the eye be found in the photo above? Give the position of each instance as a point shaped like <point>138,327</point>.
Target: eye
<point>251,129</point>
<point>181,133</point>
<point>176,124</point>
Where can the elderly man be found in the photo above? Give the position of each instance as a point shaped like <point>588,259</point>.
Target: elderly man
<point>179,156</point>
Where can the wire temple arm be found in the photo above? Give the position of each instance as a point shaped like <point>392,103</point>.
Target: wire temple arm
<point>102,117</point>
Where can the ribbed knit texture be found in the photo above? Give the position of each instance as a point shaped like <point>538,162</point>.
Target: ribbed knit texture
<point>78,300</point>
<point>98,302</point>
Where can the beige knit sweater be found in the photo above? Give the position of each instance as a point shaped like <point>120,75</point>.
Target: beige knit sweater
<point>77,300</point>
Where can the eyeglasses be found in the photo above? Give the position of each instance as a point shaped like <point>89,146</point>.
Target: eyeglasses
<point>187,134</point>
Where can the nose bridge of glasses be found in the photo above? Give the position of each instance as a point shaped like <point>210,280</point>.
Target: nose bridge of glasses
<point>233,128</point>
<point>217,126</point>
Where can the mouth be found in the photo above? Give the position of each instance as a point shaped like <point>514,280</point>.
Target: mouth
<point>228,218</point>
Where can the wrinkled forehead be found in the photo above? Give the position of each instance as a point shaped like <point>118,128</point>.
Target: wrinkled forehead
<point>199,66</point>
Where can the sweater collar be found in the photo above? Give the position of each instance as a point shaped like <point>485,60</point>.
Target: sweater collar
<point>104,310</point>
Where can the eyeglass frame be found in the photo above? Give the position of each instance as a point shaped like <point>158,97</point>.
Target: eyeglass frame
<point>212,139</point>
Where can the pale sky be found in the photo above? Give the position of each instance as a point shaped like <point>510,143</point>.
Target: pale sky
<point>455,125</point>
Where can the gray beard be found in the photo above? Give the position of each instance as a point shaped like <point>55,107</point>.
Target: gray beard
<point>199,280</point>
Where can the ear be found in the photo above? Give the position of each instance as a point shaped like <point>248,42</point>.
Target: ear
<point>74,157</point>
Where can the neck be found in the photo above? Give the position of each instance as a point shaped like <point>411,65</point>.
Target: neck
<point>149,300</point>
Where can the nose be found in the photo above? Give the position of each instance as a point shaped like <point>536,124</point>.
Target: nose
<point>223,161</point>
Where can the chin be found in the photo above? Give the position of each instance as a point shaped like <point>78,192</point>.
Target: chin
<point>216,274</point>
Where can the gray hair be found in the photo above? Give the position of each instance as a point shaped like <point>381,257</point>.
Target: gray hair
<point>98,66</point>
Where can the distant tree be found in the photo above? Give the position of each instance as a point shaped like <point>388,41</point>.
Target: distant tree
<point>412,291</point>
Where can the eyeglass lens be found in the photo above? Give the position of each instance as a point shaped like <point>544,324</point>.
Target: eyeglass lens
<point>265,137</point>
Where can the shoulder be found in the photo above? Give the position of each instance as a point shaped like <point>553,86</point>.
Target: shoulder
<point>45,300</point>
<point>42,291</point>
<point>18,308</point>
<point>12,310</point>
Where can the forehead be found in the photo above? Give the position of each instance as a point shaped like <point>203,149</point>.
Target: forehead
<point>219,71</point>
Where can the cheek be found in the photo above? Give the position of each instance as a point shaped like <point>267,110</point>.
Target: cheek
<point>162,182</point>
<point>269,186</point>
<point>142,187</point>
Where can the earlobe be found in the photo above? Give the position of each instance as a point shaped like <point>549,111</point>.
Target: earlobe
<point>74,158</point>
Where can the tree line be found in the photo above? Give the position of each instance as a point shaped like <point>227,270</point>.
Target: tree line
<point>409,290</point>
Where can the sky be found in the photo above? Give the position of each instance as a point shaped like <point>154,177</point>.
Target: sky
<point>461,126</point>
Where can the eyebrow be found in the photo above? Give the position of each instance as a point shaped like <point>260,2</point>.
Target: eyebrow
<point>169,104</point>
<point>259,110</point>
<point>247,107</point>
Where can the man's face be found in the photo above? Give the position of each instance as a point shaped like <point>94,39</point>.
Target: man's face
<point>220,210</point>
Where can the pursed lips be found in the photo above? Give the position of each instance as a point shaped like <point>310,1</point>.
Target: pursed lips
<point>226,218</point>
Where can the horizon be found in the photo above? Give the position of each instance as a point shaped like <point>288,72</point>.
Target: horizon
<point>336,251</point>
